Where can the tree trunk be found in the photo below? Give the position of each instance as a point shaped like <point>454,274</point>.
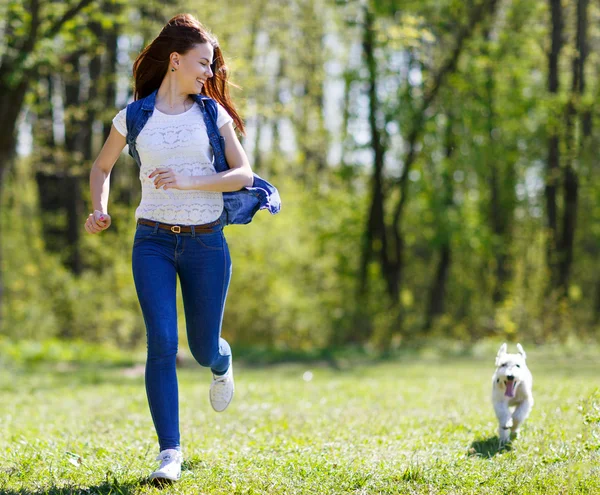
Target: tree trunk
<point>437,293</point>
<point>553,166</point>
<point>596,309</point>
<point>276,138</point>
<point>375,230</point>
<point>3,172</point>
<point>9,112</point>
<point>571,181</point>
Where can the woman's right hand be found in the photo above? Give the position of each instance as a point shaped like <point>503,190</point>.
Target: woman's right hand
<point>97,222</point>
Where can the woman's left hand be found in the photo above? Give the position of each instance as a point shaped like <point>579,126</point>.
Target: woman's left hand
<point>169,179</point>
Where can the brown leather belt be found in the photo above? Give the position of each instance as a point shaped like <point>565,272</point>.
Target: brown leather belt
<point>176,229</point>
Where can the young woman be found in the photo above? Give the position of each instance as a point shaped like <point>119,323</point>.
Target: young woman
<point>181,215</point>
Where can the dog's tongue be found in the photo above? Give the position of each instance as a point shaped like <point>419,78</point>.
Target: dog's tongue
<point>510,390</point>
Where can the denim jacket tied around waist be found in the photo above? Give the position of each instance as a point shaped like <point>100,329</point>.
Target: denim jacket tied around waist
<point>240,206</point>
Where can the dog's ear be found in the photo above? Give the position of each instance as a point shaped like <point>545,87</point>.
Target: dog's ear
<point>521,351</point>
<point>501,353</point>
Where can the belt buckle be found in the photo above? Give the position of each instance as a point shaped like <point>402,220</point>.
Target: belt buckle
<point>176,229</point>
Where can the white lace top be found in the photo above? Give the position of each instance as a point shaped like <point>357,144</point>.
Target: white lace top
<point>179,142</point>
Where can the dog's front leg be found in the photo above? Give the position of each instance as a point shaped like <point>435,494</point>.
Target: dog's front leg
<point>520,414</point>
<point>504,420</point>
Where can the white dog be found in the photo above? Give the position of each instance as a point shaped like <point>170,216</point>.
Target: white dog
<point>511,391</point>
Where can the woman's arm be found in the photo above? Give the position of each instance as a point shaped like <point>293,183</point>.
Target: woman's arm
<point>100,180</point>
<point>239,174</point>
<point>100,173</point>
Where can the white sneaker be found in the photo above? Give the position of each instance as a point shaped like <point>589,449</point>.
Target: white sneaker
<point>221,390</point>
<point>170,467</point>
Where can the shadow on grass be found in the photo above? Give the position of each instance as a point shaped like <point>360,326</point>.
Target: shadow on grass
<point>106,488</point>
<point>109,487</point>
<point>488,448</point>
<point>102,489</point>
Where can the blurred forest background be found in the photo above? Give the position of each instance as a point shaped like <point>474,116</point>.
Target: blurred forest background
<point>436,161</point>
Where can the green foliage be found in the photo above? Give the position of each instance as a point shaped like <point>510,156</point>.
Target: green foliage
<point>292,285</point>
<point>293,273</point>
<point>295,283</point>
<point>29,352</point>
<point>43,299</point>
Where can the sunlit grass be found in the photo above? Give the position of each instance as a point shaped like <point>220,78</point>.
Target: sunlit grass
<point>415,425</point>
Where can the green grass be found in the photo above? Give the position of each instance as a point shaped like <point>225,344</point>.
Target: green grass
<point>408,425</point>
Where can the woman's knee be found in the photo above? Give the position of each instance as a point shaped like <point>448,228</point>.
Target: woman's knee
<point>205,356</point>
<point>158,348</point>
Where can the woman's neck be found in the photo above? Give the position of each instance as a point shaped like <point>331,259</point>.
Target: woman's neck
<point>168,96</point>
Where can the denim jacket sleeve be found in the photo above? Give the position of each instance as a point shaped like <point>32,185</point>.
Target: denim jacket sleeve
<point>243,204</point>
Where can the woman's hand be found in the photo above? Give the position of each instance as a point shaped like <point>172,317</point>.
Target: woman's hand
<point>169,179</point>
<point>97,222</point>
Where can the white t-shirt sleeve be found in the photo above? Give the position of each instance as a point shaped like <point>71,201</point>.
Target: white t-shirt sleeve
<point>120,122</point>
<point>222,116</point>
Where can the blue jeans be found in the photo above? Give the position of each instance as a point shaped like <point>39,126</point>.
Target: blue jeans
<point>203,264</point>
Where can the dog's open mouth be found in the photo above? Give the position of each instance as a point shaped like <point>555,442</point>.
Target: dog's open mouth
<point>510,388</point>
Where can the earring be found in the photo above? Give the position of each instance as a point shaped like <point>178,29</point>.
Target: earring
<point>172,69</point>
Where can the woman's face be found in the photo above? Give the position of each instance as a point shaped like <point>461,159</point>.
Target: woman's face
<point>193,68</point>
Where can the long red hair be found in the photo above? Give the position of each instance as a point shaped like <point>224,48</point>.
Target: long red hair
<point>180,35</point>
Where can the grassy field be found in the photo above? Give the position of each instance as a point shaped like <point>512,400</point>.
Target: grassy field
<point>407,425</point>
